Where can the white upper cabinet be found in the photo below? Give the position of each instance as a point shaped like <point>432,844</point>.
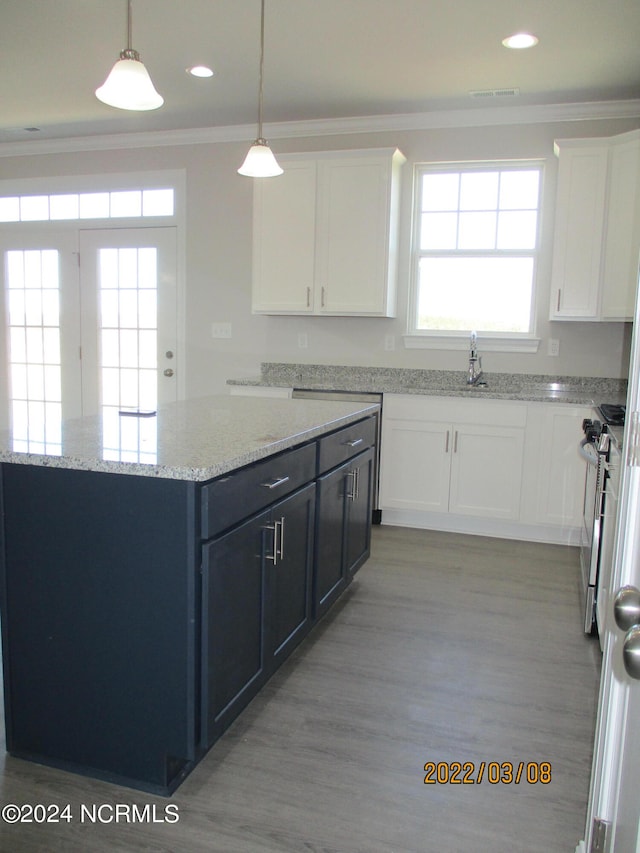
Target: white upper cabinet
<point>622,235</point>
<point>325,234</point>
<point>597,228</point>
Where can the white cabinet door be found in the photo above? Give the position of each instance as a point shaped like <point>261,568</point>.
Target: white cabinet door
<point>284,237</point>
<point>352,270</point>
<point>414,473</point>
<point>558,469</point>
<point>486,471</point>
<point>580,203</point>
<point>622,240</point>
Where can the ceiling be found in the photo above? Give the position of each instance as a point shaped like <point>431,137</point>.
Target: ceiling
<point>324,59</point>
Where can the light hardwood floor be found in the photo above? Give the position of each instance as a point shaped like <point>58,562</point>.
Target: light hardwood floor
<point>446,648</point>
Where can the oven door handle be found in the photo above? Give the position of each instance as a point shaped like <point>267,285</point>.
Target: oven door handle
<point>592,458</point>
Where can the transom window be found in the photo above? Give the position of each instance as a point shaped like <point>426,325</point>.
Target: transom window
<point>90,205</point>
<point>476,244</point>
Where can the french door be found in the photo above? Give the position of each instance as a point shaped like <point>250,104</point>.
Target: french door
<point>89,318</point>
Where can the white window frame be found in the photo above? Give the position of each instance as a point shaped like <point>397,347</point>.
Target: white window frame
<point>459,340</point>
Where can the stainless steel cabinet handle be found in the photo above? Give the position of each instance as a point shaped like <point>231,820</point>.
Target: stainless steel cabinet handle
<point>559,294</point>
<point>278,481</point>
<point>282,538</point>
<point>278,541</point>
<point>322,297</point>
<point>274,556</point>
<point>354,442</point>
<point>455,442</point>
<point>168,372</point>
<point>446,444</point>
<point>351,495</point>
<point>308,297</point>
<point>354,494</point>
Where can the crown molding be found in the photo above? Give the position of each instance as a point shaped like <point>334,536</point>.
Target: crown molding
<point>437,119</point>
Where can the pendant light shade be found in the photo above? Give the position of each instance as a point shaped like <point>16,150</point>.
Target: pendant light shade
<point>128,86</point>
<point>260,161</point>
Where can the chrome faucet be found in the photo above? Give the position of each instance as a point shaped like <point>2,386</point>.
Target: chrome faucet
<point>475,361</point>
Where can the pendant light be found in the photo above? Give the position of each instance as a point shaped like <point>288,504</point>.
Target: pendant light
<point>128,86</point>
<point>260,162</point>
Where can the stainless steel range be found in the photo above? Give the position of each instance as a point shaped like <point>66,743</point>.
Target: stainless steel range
<point>599,506</point>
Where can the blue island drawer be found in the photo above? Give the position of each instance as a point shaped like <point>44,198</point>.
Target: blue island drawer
<point>345,443</point>
<point>241,493</point>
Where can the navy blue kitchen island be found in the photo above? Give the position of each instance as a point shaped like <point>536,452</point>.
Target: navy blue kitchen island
<point>144,603</point>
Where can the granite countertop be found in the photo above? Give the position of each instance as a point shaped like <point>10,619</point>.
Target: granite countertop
<point>446,383</point>
<point>189,440</point>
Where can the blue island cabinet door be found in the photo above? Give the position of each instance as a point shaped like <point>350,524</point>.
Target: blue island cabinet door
<point>289,573</point>
<point>256,605</point>
<point>359,509</point>
<point>233,607</point>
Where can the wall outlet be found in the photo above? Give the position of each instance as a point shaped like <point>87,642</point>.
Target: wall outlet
<point>302,340</point>
<point>553,346</point>
<point>389,342</point>
<point>221,330</point>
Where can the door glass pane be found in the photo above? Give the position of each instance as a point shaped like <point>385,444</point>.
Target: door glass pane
<point>35,384</point>
<point>127,282</point>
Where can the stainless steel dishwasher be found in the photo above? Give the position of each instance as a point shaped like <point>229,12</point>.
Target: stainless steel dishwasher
<point>355,397</point>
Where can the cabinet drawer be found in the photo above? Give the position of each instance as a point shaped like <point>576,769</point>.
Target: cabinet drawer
<point>345,443</point>
<point>239,494</point>
<point>472,410</point>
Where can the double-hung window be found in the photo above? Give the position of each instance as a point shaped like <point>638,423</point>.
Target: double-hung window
<point>476,244</point>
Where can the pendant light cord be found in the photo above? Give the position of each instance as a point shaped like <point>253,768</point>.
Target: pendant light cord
<point>261,70</point>
<point>129,28</point>
<point>129,52</point>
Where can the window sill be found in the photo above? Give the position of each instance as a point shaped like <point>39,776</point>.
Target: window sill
<point>486,343</point>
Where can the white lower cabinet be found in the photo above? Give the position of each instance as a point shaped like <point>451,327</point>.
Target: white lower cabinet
<point>486,470</point>
<point>486,466</point>
<point>449,455</point>
<point>553,487</point>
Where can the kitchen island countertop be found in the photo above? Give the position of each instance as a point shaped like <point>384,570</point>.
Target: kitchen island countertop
<point>195,439</point>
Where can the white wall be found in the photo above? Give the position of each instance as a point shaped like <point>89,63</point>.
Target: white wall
<point>218,256</point>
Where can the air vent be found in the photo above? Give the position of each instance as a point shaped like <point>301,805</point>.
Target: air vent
<point>488,94</point>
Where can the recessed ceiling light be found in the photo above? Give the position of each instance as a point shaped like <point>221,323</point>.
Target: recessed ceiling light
<point>200,71</point>
<point>518,41</point>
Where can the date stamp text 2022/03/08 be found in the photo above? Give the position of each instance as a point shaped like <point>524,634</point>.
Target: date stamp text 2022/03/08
<point>493,772</point>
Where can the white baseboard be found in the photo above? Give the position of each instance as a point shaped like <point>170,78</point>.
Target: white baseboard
<point>482,526</point>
